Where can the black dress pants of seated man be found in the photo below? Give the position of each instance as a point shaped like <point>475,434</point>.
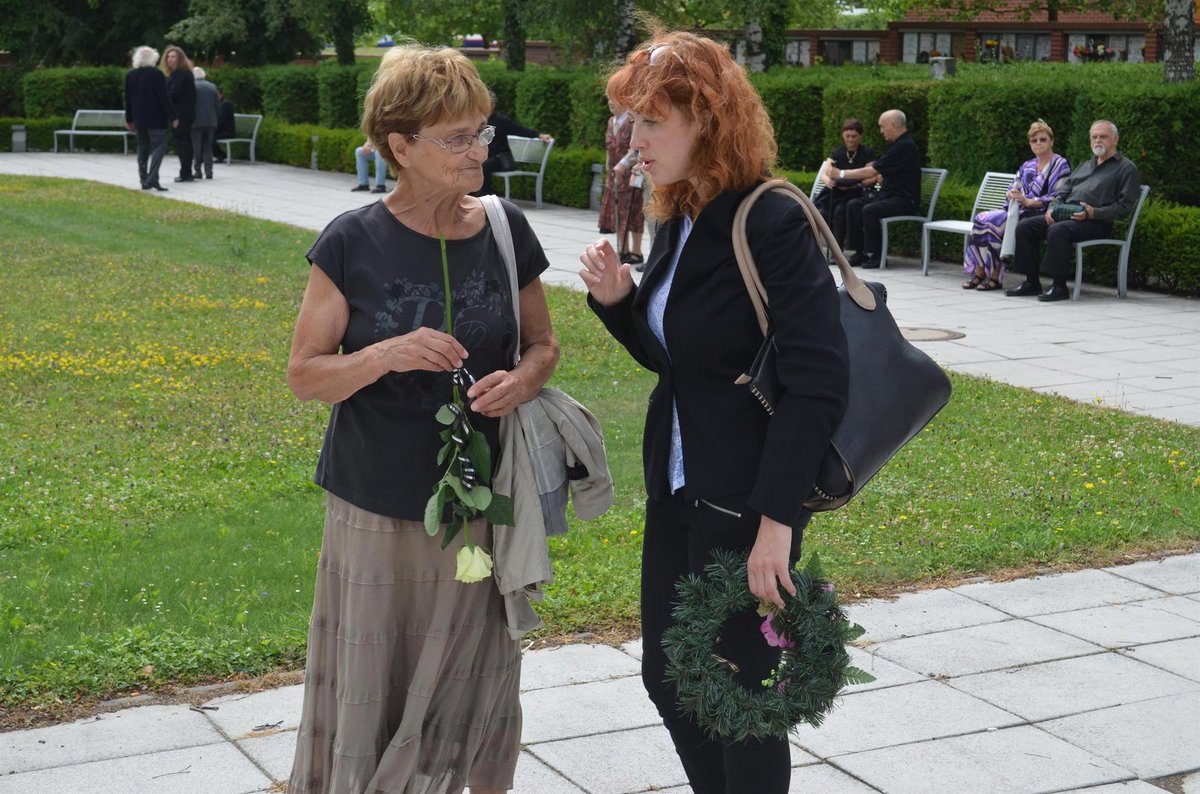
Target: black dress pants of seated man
<point>680,536</point>
<point>864,227</point>
<point>1060,238</point>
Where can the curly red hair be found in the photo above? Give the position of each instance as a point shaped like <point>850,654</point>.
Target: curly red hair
<point>736,144</point>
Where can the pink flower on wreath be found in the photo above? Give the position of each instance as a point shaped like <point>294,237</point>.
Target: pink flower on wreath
<point>775,639</point>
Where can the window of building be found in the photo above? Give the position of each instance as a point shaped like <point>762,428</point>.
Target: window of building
<point>1100,47</point>
<point>917,47</point>
<point>838,52</point>
<point>997,46</point>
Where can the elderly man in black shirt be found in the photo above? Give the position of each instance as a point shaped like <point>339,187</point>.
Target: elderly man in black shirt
<point>900,167</point>
<point>1106,187</point>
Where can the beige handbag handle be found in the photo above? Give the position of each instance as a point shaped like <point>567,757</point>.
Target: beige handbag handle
<point>859,292</point>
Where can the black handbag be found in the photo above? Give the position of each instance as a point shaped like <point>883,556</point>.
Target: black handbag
<point>895,389</point>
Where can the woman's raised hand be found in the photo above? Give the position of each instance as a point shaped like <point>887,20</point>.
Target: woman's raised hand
<point>606,278</point>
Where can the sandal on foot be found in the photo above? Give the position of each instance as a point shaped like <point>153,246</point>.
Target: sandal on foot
<point>989,285</point>
<point>973,283</point>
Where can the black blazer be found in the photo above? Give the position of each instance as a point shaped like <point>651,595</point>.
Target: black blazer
<point>147,105</point>
<point>730,444</point>
<point>181,85</point>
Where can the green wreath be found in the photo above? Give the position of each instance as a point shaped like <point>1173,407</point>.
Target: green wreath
<point>812,631</point>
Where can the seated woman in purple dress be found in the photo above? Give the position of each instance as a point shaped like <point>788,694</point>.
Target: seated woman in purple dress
<point>1032,190</point>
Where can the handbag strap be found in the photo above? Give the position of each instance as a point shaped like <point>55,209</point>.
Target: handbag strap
<point>498,219</point>
<point>859,292</point>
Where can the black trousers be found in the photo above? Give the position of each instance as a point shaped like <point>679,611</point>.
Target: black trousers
<point>151,146</point>
<point>680,535</point>
<point>183,148</point>
<point>1060,240</point>
<point>833,204</point>
<point>864,230</point>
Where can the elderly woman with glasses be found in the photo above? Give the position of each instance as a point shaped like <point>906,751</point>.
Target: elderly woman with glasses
<point>412,677</point>
<point>720,472</point>
<point>1029,195</point>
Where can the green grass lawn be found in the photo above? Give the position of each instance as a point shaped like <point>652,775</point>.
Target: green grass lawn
<point>157,519</point>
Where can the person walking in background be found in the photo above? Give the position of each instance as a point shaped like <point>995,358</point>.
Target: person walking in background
<point>1029,195</point>
<point>720,472</point>
<point>621,203</point>
<point>204,128</point>
<point>148,113</point>
<point>362,161</point>
<point>412,681</point>
<point>181,86</point>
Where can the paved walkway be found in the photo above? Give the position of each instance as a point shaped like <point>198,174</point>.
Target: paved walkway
<point>1080,681</point>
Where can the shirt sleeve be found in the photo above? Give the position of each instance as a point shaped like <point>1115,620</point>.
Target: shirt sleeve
<point>329,253</point>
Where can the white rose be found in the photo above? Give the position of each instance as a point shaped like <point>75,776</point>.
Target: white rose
<point>474,564</point>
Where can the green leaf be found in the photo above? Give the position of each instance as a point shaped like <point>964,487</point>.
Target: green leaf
<point>445,415</point>
<point>433,513</point>
<point>444,453</point>
<point>500,510</point>
<point>468,498</point>
<point>481,457</point>
<point>483,497</point>
<point>452,530</point>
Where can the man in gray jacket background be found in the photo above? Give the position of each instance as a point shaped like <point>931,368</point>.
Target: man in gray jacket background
<point>204,128</point>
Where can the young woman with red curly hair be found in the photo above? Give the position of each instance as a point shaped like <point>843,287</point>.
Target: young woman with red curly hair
<point>720,471</point>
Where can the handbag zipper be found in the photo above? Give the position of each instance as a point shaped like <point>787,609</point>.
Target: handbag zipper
<point>718,508</point>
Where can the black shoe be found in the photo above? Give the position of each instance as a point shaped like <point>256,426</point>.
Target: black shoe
<point>208,176</point>
<point>1057,292</point>
<point>1024,289</point>
<point>185,179</point>
<point>858,258</point>
<point>159,187</point>
<point>360,189</point>
<point>147,186</point>
<point>640,267</point>
<point>380,189</point>
<point>870,263</point>
<point>197,175</point>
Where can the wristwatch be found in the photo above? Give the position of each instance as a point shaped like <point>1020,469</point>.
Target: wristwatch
<point>842,174</point>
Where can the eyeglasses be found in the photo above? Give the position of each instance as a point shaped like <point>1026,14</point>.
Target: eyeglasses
<point>1039,140</point>
<point>460,143</point>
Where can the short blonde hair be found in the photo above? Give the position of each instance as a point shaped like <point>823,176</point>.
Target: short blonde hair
<point>1039,126</point>
<point>418,86</point>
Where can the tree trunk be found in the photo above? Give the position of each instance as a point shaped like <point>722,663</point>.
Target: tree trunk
<point>774,41</point>
<point>756,58</point>
<point>626,38</point>
<point>1179,41</point>
<point>343,38</point>
<point>514,34</point>
<point>1051,10</point>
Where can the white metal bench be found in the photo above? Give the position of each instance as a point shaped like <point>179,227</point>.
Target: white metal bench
<point>245,128</point>
<point>931,185</point>
<point>528,150</point>
<point>101,123</point>
<point>1122,261</point>
<point>991,196</point>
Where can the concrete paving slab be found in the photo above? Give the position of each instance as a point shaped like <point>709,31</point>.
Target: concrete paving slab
<point>616,763</point>
<point>1190,784</point>
<point>886,673</point>
<point>633,648</point>
<point>1028,374</point>
<point>912,614</point>
<point>130,732</point>
<point>897,715</point>
<point>1128,787</point>
<point>210,769</point>
<point>576,664</point>
<point>1183,414</point>
<point>1122,735</point>
<point>1184,606</point>
<point>239,714</point>
<point>1021,759</point>
<point>534,777</point>
<point>273,752</point>
<point>1122,624</point>
<point>978,649</point>
<point>1181,657</point>
<point>1086,683</point>
<point>1056,593</point>
<point>827,779</point>
<point>1175,575</point>
<point>584,709</point>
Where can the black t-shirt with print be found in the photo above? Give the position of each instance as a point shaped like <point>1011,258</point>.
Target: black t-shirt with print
<point>381,443</point>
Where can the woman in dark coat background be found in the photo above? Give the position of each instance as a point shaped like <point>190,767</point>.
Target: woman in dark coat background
<point>181,86</point>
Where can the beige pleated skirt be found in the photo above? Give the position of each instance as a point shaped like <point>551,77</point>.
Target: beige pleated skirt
<point>412,685</point>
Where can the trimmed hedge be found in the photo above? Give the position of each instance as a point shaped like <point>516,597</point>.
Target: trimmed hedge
<point>867,101</point>
<point>289,93</point>
<point>339,103</point>
<point>503,83</point>
<point>60,92</point>
<point>794,103</point>
<point>240,86</point>
<point>544,103</point>
<point>589,111</point>
<point>12,94</point>
<point>39,133</point>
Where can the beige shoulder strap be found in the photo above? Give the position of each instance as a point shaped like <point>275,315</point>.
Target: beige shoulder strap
<point>858,291</point>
